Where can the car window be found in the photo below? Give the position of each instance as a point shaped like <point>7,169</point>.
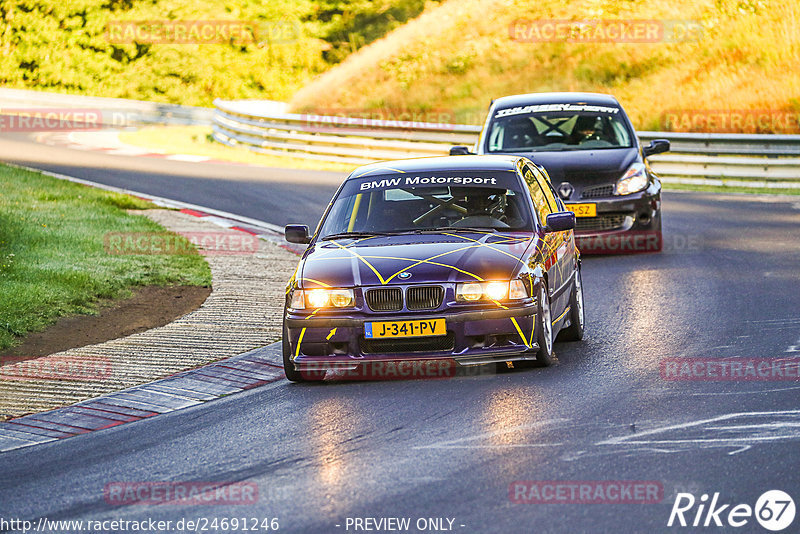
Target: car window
<point>556,127</point>
<point>539,199</point>
<point>547,188</point>
<point>385,204</point>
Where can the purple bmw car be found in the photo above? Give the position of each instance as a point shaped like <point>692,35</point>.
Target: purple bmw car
<point>469,259</point>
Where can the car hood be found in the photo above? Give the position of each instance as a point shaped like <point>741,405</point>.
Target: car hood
<point>427,257</point>
<point>585,168</point>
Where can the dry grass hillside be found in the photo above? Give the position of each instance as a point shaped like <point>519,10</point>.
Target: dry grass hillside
<point>460,55</point>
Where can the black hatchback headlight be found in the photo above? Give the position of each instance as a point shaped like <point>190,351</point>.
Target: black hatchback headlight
<point>633,181</point>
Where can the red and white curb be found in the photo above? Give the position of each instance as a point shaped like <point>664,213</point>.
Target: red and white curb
<point>188,388</point>
<point>224,219</point>
<point>108,142</point>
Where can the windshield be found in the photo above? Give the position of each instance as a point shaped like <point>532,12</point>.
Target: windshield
<point>557,127</point>
<point>440,202</point>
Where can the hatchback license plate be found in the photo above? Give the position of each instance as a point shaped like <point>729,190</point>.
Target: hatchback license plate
<point>583,210</point>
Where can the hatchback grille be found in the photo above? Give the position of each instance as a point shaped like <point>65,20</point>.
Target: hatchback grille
<point>424,298</point>
<point>385,299</point>
<point>598,191</point>
<point>405,345</point>
<point>611,221</point>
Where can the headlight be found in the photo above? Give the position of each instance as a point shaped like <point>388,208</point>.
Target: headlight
<point>322,298</point>
<point>477,291</point>
<point>633,181</point>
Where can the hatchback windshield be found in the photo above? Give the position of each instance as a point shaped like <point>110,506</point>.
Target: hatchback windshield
<point>557,127</point>
<point>438,202</point>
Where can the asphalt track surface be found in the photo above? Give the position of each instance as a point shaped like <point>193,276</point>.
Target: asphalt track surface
<point>727,286</point>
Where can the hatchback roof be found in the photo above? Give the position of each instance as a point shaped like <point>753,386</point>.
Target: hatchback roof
<point>598,99</point>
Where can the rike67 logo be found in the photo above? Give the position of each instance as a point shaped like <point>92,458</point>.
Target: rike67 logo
<point>774,510</point>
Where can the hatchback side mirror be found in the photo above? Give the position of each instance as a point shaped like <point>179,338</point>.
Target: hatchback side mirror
<point>559,222</point>
<point>297,233</point>
<point>656,146</point>
<point>459,151</point>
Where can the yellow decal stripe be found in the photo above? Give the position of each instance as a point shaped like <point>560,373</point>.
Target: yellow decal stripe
<point>323,284</point>
<point>375,169</point>
<point>560,316</point>
<point>519,331</point>
<point>368,264</point>
<point>299,340</point>
<point>356,205</point>
<point>489,245</point>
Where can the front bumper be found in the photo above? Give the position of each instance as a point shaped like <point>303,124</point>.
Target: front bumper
<point>473,337</point>
<point>629,213</point>
<point>630,223</point>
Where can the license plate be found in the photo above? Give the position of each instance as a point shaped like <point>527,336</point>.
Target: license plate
<point>419,328</point>
<point>583,210</point>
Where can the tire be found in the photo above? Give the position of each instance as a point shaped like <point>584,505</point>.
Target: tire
<point>288,367</point>
<point>544,338</point>
<point>574,332</point>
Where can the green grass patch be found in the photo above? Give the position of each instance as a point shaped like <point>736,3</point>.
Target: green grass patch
<point>52,256</point>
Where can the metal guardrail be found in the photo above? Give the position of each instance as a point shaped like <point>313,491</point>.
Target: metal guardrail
<point>742,160</point>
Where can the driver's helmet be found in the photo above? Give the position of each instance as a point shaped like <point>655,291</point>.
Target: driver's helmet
<point>585,126</point>
<point>480,201</point>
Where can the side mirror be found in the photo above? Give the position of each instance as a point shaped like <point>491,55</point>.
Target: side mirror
<point>297,233</point>
<point>459,151</point>
<point>559,222</point>
<point>656,146</point>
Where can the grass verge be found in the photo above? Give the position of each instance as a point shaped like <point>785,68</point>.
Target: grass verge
<point>728,189</point>
<point>197,141</point>
<point>52,257</point>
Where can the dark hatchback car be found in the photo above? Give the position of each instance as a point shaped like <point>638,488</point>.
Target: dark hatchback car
<point>467,259</point>
<point>594,159</point>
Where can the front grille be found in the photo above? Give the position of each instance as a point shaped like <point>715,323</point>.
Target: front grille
<point>601,223</point>
<point>598,191</point>
<point>411,344</point>
<point>424,298</point>
<point>385,299</point>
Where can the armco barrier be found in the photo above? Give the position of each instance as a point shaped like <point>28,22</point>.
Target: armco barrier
<point>744,160</point>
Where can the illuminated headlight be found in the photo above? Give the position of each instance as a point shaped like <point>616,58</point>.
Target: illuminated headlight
<point>322,298</point>
<point>633,181</point>
<point>492,291</point>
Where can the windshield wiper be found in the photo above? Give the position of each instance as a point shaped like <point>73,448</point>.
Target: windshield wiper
<point>354,235</point>
<point>457,229</point>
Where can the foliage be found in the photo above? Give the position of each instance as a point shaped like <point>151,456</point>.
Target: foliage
<point>745,57</point>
